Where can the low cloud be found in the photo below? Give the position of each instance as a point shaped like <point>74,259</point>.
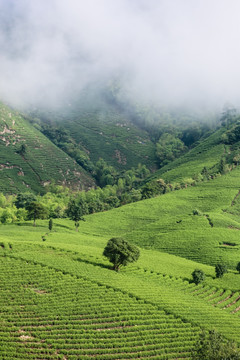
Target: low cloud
<point>173,52</point>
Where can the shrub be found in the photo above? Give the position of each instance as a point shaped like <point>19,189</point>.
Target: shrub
<point>198,276</point>
<point>220,270</point>
<point>50,224</point>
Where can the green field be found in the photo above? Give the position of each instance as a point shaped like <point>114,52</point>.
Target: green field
<point>61,300</point>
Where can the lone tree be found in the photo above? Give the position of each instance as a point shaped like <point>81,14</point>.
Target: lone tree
<point>198,276</point>
<point>238,267</point>
<point>120,252</point>
<point>75,213</point>
<point>36,211</point>
<point>220,270</point>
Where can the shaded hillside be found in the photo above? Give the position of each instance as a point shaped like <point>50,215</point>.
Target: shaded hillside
<point>103,130</point>
<point>28,160</point>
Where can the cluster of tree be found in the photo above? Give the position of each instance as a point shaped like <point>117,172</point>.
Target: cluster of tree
<point>58,200</point>
<point>55,203</point>
<point>27,206</point>
<point>169,148</point>
<point>199,276</point>
<point>213,346</point>
<point>232,135</point>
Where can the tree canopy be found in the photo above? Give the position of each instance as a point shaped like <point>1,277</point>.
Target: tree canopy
<point>24,199</point>
<point>213,346</point>
<point>120,252</point>
<point>75,212</point>
<point>220,270</point>
<point>198,276</point>
<point>168,148</point>
<point>36,211</point>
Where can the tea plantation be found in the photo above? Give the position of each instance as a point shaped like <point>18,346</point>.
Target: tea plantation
<point>39,162</point>
<point>61,300</point>
<point>105,130</point>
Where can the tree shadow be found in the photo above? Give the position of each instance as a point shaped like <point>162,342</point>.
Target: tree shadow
<point>95,263</point>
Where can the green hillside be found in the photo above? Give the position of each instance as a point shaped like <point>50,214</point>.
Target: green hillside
<point>60,298</point>
<point>104,130</point>
<point>66,303</point>
<point>207,153</point>
<point>168,223</point>
<point>37,163</point>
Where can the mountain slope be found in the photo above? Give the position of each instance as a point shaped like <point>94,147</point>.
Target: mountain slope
<point>104,130</point>
<point>28,160</point>
<point>168,222</point>
<point>208,153</point>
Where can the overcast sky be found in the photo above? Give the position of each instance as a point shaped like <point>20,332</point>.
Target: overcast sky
<point>172,51</point>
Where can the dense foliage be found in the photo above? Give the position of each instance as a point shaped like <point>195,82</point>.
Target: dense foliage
<point>214,346</point>
<point>169,148</point>
<point>36,211</point>
<point>220,270</point>
<point>120,252</point>
<point>198,276</point>
<point>75,212</point>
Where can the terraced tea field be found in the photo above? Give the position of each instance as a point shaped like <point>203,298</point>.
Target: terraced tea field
<point>61,300</point>
<point>104,130</point>
<point>41,162</point>
<point>52,315</point>
<point>167,223</point>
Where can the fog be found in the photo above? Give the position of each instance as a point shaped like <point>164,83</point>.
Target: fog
<point>172,52</point>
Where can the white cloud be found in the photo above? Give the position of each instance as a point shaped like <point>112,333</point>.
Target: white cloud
<point>174,51</point>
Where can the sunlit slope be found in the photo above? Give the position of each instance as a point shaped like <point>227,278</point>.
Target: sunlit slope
<point>63,315</point>
<point>207,153</point>
<point>66,296</point>
<point>168,223</point>
<point>39,163</point>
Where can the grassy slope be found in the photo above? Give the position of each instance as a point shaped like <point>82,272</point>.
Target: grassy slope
<point>42,162</point>
<point>167,222</point>
<point>207,154</point>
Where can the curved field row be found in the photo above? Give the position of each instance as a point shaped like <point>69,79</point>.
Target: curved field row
<point>175,296</point>
<point>46,314</point>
